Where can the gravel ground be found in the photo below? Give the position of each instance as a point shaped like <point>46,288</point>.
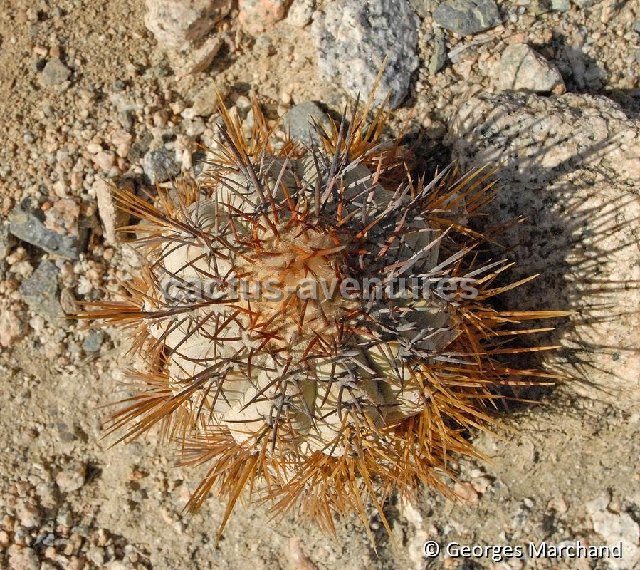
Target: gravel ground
<point>88,93</point>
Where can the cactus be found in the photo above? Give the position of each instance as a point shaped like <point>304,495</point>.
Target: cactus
<point>316,324</point>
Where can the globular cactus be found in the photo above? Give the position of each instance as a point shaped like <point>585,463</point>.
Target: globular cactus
<point>316,323</point>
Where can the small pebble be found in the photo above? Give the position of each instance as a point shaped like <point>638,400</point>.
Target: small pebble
<point>466,493</point>
<point>105,160</point>
<point>301,12</point>
<point>55,72</point>
<point>160,165</point>
<point>71,479</point>
<point>22,558</point>
<point>298,122</point>
<point>41,293</point>
<point>256,16</point>
<point>93,341</point>
<point>439,56</point>
<point>467,17</point>
<point>28,514</point>
<point>522,68</point>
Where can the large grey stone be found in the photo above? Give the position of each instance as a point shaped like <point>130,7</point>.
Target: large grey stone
<point>354,37</point>
<point>467,17</point>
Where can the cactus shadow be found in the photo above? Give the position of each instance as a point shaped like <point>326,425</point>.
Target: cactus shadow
<point>572,237</point>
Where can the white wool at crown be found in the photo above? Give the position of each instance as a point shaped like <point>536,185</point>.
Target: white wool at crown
<point>247,403</point>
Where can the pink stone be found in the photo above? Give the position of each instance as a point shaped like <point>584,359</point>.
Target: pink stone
<point>257,16</point>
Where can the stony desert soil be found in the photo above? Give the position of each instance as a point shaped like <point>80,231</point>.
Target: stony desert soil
<point>87,93</point>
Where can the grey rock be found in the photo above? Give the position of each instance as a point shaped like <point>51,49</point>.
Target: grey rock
<point>200,161</point>
<point>577,64</point>
<point>636,26</point>
<point>140,147</point>
<point>354,37</point>
<point>96,555</point>
<point>160,165</point>
<point>423,7</point>
<point>26,224</point>
<point>595,77</point>
<point>93,341</point>
<point>126,119</point>
<point>439,55</point>
<point>522,68</point>
<point>40,292</point>
<point>55,72</point>
<point>467,17</point>
<point>560,5</point>
<point>66,433</point>
<point>298,122</point>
